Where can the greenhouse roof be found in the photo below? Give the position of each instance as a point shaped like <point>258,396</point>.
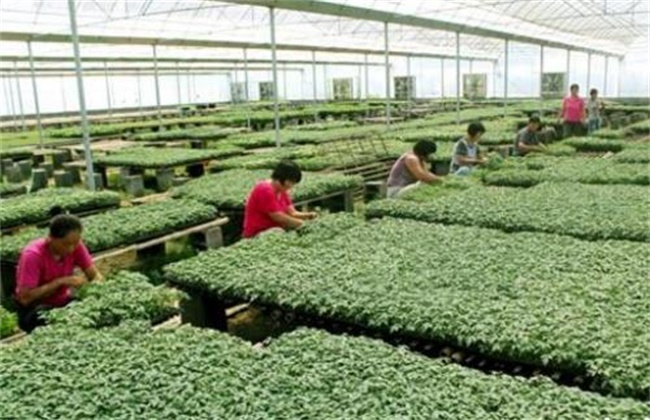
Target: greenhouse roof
<point>333,27</point>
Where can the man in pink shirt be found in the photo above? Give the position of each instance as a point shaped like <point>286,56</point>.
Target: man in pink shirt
<point>573,114</point>
<point>45,274</point>
<point>269,205</point>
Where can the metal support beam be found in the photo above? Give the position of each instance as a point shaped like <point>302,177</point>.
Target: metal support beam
<point>139,77</point>
<point>505,77</point>
<point>85,129</point>
<point>108,90</point>
<point>458,78</point>
<point>326,85</point>
<point>19,92</point>
<point>366,80</point>
<point>179,94</point>
<point>274,58</point>
<point>157,81</point>
<point>37,105</point>
<point>567,80</point>
<point>284,83</point>
<point>541,79</point>
<point>605,90</point>
<point>387,63</point>
<point>408,84</point>
<point>620,78</point>
<point>442,78</point>
<point>248,111</point>
<point>359,76</point>
<point>588,73</point>
<point>12,104</point>
<point>314,83</point>
<point>63,98</point>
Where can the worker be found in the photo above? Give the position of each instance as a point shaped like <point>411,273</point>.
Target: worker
<point>527,140</point>
<point>467,153</point>
<point>45,277</point>
<point>411,170</point>
<point>594,108</point>
<point>573,113</point>
<point>269,204</point>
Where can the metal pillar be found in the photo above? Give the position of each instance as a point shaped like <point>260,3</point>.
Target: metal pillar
<point>274,60</point>
<point>188,85</point>
<point>567,80</point>
<point>284,82</point>
<point>359,76</point>
<point>90,176</point>
<point>314,83</point>
<point>471,66</point>
<point>325,83</point>
<point>63,98</point>
<point>606,75</point>
<point>366,80</point>
<point>588,73</point>
<point>387,64</point>
<point>248,113</point>
<point>505,77</point>
<point>14,112</point>
<point>408,83</point>
<point>139,77</point>
<point>458,78</point>
<point>541,79</point>
<point>620,78</point>
<point>19,91</point>
<point>442,78</point>
<point>156,79</point>
<point>108,89</point>
<point>178,84</point>
<point>34,89</point>
<point>6,96</point>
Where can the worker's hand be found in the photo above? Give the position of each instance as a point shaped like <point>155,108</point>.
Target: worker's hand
<point>311,215</point>
<point>74,281</point>
<point>482,161</point>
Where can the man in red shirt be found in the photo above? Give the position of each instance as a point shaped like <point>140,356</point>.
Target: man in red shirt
<point>269,205</point>
<point>45,275</point>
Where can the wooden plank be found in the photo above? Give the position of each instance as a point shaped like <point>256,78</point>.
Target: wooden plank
<point>113,253</point>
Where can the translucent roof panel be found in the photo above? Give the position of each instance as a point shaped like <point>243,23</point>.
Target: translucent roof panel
<point>609,25</point>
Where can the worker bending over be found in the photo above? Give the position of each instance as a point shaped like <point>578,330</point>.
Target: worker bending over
<point>411,169</point>
<point>269,204</point>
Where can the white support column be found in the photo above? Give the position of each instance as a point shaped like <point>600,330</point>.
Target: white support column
<point>359,76</point>
<point>442,78</point>
<point>567,80</point>
<point>35,89</point>
<point>139,77</point>
<point>156,78</point>
<point>366,79</point>
<point>178,84</point>
<point>314,83</point>
<point>471,66</point>
<point>541,79</point>
<point>246,97</point>
<point>620,78</point>
<point>19,92</point>
<point>284,82</point>
<point>408,84</point>
<point>387,65</point>
<point>588,87</point>
<point>188,87</point>
<point>274,59</point>
<point>326,84</point>
<point>605,90</point>
<point>12,104</point>
<point>85,129</point>
<point>63,97</point>
<point>505,77</point>
<point>108,89</point>
<point>458,78</point>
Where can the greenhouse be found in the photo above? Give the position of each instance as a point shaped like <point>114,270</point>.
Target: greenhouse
<point>325,209</point>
